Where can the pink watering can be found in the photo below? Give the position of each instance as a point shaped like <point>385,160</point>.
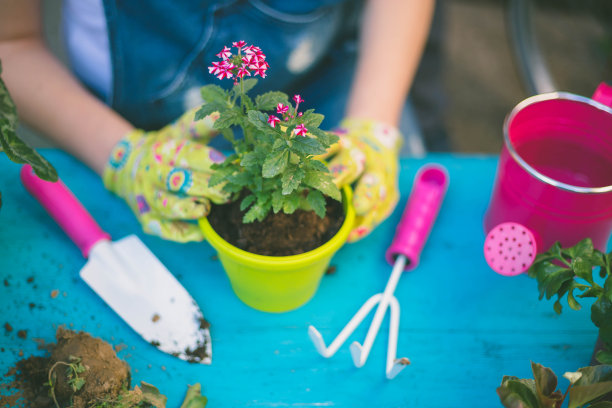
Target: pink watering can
<point>554,178</point>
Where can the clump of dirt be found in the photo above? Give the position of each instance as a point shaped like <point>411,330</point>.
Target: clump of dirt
<point>279,234</point>
<point>79,372</point>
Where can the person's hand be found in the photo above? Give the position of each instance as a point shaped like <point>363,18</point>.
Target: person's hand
<point>367,152</point>
<point>163,176</point>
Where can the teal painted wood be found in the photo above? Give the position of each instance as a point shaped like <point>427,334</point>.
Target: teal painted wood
<point>462,325</point>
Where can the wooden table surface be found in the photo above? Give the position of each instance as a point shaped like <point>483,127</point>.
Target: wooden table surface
<point>462,325</point>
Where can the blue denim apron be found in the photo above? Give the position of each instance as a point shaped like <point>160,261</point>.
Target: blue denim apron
<point>160,49</point>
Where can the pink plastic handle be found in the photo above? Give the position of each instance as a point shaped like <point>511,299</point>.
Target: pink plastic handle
<point>429,188</point>
<point>603,94</point>
<point>65,209</point>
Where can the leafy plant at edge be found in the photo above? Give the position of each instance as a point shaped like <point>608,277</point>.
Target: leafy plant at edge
<point>587,387</point>
<point>15,149</point>
<point>73,368</point>
<point>569,272</point>
<point>275,164</point>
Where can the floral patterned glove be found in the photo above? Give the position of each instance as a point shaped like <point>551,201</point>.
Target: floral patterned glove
<point>163,176</point>
<point>367,152</point>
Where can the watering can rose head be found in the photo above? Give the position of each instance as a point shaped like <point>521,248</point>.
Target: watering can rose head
<point>274,166</point>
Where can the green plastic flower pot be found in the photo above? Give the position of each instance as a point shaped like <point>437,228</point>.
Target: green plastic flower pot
<point>278,283</point>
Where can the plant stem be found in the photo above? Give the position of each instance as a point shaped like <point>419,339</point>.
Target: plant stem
<point>51,385</point>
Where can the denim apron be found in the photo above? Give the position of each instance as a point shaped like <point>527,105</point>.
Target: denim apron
<point>160,49</point>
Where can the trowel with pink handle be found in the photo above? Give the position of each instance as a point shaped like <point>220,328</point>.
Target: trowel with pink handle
<point>128,277</point>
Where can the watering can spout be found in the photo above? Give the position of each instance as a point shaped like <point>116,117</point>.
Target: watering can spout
<point>603,93</point>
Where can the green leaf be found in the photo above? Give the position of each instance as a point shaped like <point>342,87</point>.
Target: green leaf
<point>205,110</point>
<point>558,307</point>
<point>241,178</point>
<point>229,118</point>
<point>291,203</point>
<point>317,202</point>
<point>594,291</point>
<point>251,159</point>
<point>270,100</point>
<point>247,85</point>
<point>317,165</point>
<point>311,119</point>
<point>601,404</point>
<point>322,182</point>
<point>307,145</point>
<point>260,121</point>
<point>583,249</point>
<point>326,138</point>
<point>553,277</point>
<point>16,149</point>
<point>604,357</point>
<point>247,201</point>
<point>277,201</point>
<point>291,180</point>
<point>518,393</point>
<point>583,268</point>
<point>545,379</point>
<point>194,397</point>
<point>152,396</point>
<point>601,312</point>
<point>579,395</point>
<point>219,176</point>
<point>214,94</point>
<point>256,212</point>
<point>228,134</point>
<point>275,163</point>
<point>571,301</point>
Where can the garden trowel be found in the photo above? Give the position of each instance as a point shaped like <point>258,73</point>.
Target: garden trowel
<point>128,277</point>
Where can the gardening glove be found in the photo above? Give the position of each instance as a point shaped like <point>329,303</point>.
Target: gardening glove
<point>367,152</point>
<point>163,176</point>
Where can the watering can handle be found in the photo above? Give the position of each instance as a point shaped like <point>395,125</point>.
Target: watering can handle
<point>65,209</point>
<point>421,210</point>
<point>603,93</point>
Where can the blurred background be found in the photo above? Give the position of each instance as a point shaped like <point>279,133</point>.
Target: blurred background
<point>471,76</point>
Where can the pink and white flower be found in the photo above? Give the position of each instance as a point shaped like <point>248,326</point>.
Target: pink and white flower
<point>300,130</point>
<point>273,120</point>
<point>225,53</point>
<point>243,71</point>
<point>239,45</point>
<point>298,99</point>
<point>225,70</point>
<point>282,109</point>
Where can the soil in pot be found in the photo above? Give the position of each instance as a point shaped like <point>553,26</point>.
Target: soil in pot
<point>83,371</point>
<point>279,234</point>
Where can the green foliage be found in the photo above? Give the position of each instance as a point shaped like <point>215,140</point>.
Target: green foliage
<point>15,149</point>
<point>74,367</point>
<point>145,396</point>
<point>272,167</point>
<point>568,272</point>
<point>587,388</point>
<point>194,397</point>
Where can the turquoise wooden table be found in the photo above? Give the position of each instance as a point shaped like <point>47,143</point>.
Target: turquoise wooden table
<point>462,325</point>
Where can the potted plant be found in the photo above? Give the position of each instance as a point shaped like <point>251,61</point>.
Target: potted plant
<point>569,272</point>
<point>274,177</point>
<point>588,387</point>
<point>10,143</point>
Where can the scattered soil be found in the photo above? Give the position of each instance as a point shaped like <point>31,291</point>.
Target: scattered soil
<point>279,234</point>
<point>105,375</point>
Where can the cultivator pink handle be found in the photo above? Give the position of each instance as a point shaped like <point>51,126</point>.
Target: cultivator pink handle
<point>65,209</point>
<point>429,188</point>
